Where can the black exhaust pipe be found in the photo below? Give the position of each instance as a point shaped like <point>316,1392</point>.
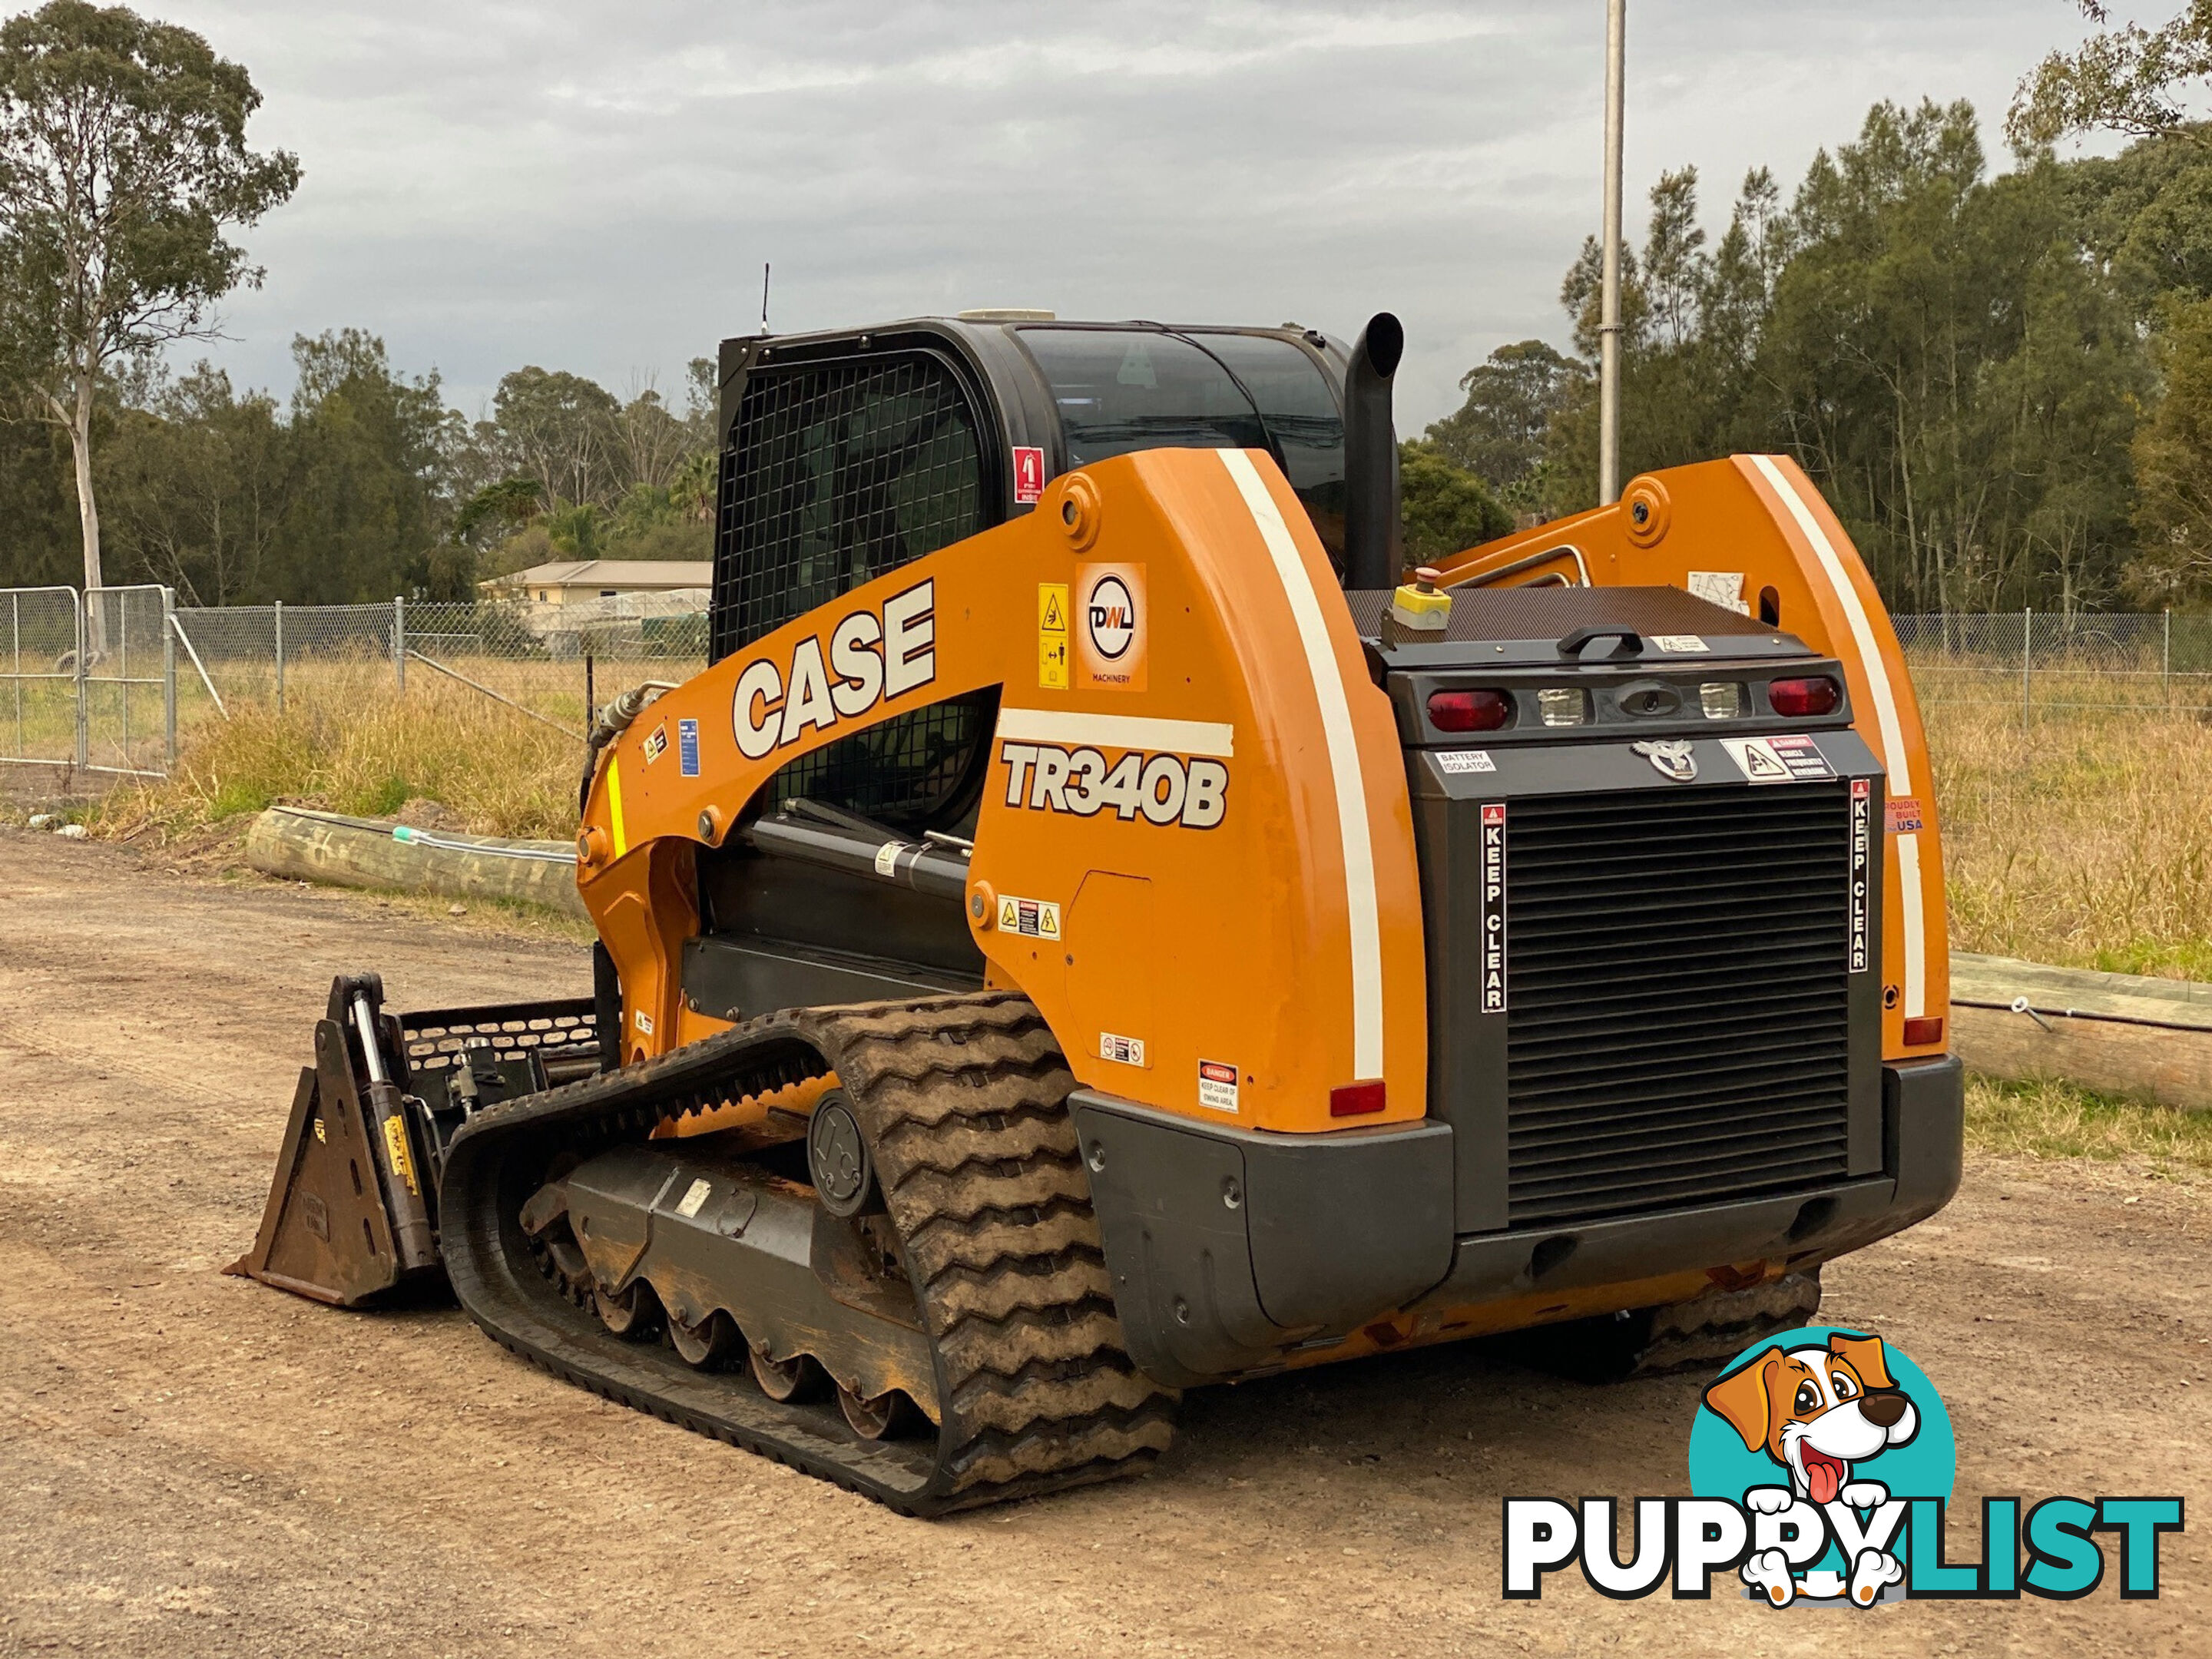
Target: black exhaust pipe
<point>1374,542</point>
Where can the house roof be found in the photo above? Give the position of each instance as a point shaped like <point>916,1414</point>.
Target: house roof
<point>624,574</point>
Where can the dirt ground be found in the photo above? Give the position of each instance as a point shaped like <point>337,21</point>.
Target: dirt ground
<point>190,1464</point>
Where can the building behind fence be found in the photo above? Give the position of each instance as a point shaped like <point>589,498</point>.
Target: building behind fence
<point>105,686</point>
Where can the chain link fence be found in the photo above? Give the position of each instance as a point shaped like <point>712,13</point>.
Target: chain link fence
<point>2051,662</point>
<point>536,658</point>
<point>107,684</point>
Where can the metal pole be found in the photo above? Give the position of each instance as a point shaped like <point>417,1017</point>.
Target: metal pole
<point>399,642</point>
<point>15,633</point>
<point>83,722</point>
<point>169,675</point>
<point>2027,665</point>
<point>123,649</point>
<point>2166,662</point>
<point>280,656</point>
<point>1608,332</point>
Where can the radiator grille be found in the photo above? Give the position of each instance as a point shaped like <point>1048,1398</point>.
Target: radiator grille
<point>1677,1019</point>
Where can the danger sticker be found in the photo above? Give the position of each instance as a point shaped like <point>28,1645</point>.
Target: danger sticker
<point>1903,816</point>
<point>656,743</point>
<point>1680,643</point>
<point>1862,870</point>
<point>643,1021</point>
<point>1029,475</point>
<point>1466,760</point>
<point>694,1198</point>
<point>1052,636</point>
<point>1217,1086</point>
<point>1031,918</point>
<point>1491,954</point>
<point>1122,1051</point>
<point>687,747</point>
<point>1778,760</point>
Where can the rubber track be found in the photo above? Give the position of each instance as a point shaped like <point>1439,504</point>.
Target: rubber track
<point>1710,1330</point>
<point>963,1102</point>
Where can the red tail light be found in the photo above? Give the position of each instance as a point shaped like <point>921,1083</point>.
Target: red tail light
<point>1817,695</point>
<point>1356,1099</point>
<point>1470,711</point>
<point>1920,1031</point>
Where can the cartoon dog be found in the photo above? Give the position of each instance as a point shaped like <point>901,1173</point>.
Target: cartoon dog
<point>1818,1411</point>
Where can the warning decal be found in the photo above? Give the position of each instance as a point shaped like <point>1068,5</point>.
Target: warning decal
<point>656,743</point>
<point>1217,1086</point>
<point>1031,918</point>
<point>1778,760</point>
<point>1123,1050</point>
<point>1680,643</point>
<point>1862,869</point>
<point>1029,475</point>
<point>1052,635</point>
<point>1491,954</point>
<point>694,1198</point>
<point>1720,587</point>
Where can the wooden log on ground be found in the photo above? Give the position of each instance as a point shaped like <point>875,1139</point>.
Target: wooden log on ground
<point>327,847</point>
<point>2118,1034</point>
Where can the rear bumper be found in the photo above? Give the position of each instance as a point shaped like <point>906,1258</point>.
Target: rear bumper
<point>1232,1247</point>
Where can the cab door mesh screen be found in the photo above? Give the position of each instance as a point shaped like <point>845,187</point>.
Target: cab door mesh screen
<point>836,473</point>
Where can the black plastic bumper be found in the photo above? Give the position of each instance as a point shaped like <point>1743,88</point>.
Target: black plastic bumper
<point>1232,1246</point>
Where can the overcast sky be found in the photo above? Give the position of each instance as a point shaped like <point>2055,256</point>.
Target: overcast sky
<point>594,186</point>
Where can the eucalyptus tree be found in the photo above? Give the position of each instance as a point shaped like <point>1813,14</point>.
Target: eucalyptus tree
<point>124,165</point>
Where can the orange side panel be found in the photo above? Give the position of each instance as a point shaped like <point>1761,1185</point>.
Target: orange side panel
<point>1195,845</point>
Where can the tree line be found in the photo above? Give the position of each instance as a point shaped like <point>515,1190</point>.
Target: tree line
<point>2003,381</point>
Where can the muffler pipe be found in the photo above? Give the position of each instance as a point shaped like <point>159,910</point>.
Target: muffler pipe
<point>1374,541</point>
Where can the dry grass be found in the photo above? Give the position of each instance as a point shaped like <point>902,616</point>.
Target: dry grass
<point>2087,842</point>
<point>346,744</point>
<point>2057,1121</point>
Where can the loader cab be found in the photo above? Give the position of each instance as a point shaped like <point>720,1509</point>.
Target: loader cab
<point>847,454</point>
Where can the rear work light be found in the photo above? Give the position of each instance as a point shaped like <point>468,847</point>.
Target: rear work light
<point>1356,1099</point>
<point>1470,711</point>
<point>1921,1031</point>
<point>1722,700</point>
<point>1816,695</point>
<point>1563,706</point>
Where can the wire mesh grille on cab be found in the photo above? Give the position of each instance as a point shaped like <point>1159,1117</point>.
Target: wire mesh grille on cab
<point>837,473</point>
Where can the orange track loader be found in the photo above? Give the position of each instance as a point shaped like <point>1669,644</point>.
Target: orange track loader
<point>1099,927</point>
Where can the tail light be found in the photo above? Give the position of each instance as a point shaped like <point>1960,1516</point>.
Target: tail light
<point>1356,1099</point>
<point>1470,711</point>
<point>1817,694</point>
<point>1918,1032</point>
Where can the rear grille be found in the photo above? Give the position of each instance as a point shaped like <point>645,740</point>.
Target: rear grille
<point>1676,1020</point>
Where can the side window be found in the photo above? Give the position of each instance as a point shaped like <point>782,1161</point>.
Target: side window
<point>834,474</point>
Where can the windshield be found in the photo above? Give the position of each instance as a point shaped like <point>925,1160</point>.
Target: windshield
<point>1118,390</point>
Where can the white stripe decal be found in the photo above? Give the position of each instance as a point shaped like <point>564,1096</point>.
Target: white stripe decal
<point>1215,738</point>
<point>1885,719</point>
<point>1362,908</point>
<point>1916,943</point>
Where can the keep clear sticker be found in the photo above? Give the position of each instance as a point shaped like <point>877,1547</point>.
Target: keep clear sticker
<point>1778,760</point>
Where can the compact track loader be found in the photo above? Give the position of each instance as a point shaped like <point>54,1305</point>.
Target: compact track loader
<point>1100,926</point>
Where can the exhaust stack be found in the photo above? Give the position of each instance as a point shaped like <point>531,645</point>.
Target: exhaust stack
<point>1374,545</point>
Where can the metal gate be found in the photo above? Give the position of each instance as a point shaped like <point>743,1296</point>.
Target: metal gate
<point>89,681</point>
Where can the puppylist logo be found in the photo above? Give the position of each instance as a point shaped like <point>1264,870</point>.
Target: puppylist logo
<point>1821,1464</point>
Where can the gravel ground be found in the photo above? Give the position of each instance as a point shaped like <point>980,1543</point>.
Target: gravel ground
<point>190,1464</point>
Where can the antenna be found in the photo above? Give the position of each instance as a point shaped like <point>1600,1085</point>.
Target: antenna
<point>764,296</point>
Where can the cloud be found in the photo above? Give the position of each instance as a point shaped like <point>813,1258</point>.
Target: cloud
<point>596,187</point>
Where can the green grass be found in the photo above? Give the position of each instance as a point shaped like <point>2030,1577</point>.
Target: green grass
<point>2057,1121</point>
